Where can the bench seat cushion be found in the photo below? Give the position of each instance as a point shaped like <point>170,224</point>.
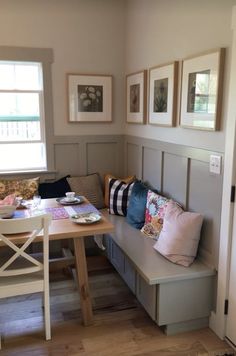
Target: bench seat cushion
<point>149,263</point>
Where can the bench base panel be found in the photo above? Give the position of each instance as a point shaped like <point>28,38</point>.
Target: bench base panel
<point>190,325</point>
<point>174,305</point>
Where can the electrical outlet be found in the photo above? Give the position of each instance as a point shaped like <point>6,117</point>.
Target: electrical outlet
<point>215,164</point>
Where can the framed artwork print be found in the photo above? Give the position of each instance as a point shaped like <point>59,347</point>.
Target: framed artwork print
<point>89,98</point>
<point>136,86</point>
<point>163,85</point>
<point>201,97</point>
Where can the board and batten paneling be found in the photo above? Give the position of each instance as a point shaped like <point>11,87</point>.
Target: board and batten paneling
<point>67,158</point>
<point>181,173</point>
<point>205,197</point>
<point>103,157</point>
<point>152,167</point>
<point>82,155</point>
<point>174,184</point>
<point>134,164</point>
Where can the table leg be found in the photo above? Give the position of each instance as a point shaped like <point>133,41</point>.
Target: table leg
<point>82,274</point>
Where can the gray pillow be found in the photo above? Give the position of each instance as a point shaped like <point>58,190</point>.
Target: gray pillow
<point>88,186</point>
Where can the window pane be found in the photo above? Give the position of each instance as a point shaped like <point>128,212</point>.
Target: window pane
<point>20,76</point>
<point>20,131</point>
<point>22,105</point>
<point>28,77</point>
<point>7,76</point>
<point>22,156</point>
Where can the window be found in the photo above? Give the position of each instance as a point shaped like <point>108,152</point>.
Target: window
<point>22,128</point>
<point>202,92</point>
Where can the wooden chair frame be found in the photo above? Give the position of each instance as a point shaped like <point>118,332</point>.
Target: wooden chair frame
<point>18,280</point>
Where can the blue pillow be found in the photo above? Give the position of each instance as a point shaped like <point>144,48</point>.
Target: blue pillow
<point>137,205</point>
<point>55,189</point>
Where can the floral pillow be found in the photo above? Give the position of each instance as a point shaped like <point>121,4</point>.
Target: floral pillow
<point>154,215</point>
<point>26,188</point>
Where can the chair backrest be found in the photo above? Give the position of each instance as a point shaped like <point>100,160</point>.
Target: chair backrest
<point>32,226</point>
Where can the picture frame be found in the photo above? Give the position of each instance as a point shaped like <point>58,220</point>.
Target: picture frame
<point>136,97</point>
<point>89,98</point>
<point>202,88</point>
<point>163,90</point>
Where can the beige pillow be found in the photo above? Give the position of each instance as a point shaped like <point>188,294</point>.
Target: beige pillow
<point>179,238</point>
<point>126,180</point>
<point>26,188</point>
<point>88,186</point>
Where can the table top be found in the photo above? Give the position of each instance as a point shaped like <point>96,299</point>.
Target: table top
<point>67,229</point>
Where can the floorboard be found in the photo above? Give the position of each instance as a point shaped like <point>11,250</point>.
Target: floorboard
<point>121,326</point>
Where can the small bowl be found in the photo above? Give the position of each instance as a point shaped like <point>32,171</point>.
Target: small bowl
<point>6,211</point>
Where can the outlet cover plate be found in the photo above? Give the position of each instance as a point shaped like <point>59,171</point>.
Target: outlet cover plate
<point>215,164</point>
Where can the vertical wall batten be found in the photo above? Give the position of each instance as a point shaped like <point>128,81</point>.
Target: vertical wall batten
<point>187,185</point>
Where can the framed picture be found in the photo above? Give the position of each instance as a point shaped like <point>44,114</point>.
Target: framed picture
<point>163,85</point>
<point>89,98</point>
<point>201,97</point>
<point>136,87</point>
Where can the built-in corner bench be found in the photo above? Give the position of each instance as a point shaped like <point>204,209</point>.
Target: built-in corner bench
<point>177,298</point>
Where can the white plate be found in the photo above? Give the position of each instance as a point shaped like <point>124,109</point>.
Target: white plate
<point>75,201</point>
<point>89,218</point>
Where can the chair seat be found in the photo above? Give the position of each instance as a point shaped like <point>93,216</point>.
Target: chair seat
<point>13,285</point>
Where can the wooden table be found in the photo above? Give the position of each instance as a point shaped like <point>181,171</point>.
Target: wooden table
<point>66,229</point>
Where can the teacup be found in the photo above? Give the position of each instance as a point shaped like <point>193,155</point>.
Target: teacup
<point>70,196</point>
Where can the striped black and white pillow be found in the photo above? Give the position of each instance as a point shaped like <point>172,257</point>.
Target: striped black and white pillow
<point>119,193</point>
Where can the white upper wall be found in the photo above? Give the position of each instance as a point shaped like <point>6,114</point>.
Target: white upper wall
<point>87,36</point>
<point>117,37</point>
<point>161,31</point>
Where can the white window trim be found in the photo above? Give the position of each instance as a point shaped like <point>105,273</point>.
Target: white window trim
<point>45,57</point>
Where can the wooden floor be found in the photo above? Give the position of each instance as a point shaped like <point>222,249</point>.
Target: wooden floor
<point>121,326</point>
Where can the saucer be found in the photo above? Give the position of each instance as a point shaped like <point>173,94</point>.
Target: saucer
<point>87,218</point>
<point>75,201</point>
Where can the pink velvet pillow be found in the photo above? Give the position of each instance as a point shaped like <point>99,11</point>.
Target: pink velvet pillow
<point>180,235</point>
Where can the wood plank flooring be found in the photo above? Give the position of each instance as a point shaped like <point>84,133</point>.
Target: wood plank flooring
<point>121,325</point>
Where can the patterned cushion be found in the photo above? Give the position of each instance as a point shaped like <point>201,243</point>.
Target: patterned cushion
<point>26,188</point>
<point>128,179</point>
<point>179,238</point>
<point>119,193</point>
<point>88,186</point>
<point>155,212</point>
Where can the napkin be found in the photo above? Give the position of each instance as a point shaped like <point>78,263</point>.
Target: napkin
<point>9,200</point>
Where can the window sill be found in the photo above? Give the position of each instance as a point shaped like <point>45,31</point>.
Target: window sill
<point>19,173</point>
